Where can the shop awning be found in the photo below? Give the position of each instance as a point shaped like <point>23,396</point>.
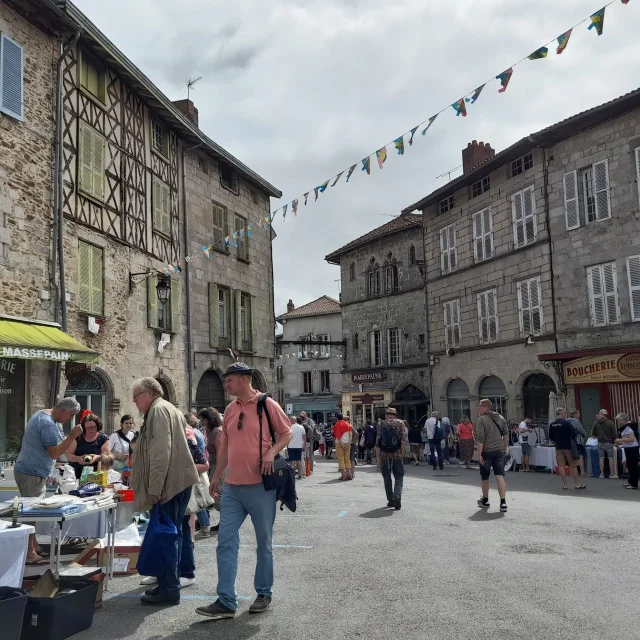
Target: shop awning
<point>574,355</point>
<point>37,340</point>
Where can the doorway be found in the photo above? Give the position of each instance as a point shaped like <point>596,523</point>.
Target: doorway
<point>589,403</point>
<point>535,396</point>
<point>210,392</point>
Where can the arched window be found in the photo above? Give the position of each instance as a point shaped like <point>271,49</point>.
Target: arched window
<point>373,279</point>
<point>492,388</point>
<point>535,397</point>
<point>458,400</point>
<point>391,279</point>
<point>412,255</point>
<point>91,393</point>
<point>352,271</point>
<point>355,341</point>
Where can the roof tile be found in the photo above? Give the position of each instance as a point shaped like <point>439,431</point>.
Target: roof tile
<point>320,307</point>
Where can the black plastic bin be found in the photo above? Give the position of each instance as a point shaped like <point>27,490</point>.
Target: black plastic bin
<point>61,617</point>
<point>11,612</point>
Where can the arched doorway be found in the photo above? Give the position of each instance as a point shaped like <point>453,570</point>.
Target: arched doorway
<point>493,389</point>
<point>165,390</point>
<point>458,404</point>
<point>411,403</point>
<point>535,397</point>
<point>210,392</point>
<point>91,393</point>
<point>257,381</point>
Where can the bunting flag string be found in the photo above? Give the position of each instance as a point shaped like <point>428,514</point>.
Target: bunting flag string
<point>595,20</point>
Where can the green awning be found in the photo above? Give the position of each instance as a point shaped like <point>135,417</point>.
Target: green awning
<point>37,340</point>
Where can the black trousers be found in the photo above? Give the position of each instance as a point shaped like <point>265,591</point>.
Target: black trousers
<point>633,454</point>
<point>436,446</point>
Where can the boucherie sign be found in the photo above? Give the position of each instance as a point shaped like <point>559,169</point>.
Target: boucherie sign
<point>34,354</point>
<point>609,368</point>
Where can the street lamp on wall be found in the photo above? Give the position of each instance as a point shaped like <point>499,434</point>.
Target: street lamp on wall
<point>163,289</point>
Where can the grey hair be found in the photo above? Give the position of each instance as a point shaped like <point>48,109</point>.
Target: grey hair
<point>149,384</point>
<point>68,404</point>
<point>434,414</point>
<point>574,413</point>
<point>623,417</point>
<point>560,411</point>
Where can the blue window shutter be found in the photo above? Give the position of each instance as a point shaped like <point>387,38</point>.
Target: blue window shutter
<point>11,71</point>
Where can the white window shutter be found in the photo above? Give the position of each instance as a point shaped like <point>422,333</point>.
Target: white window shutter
<point>444,249</point>
<point>571,215</point>
<point>610,281</point>
<point>596,296</point>
<point>175,306</point>
<point>536,306</point>
<point>633,271</point>
<point>518,219</point>
<point>638,170</point>
<point>478,244</point>
<point>453,257</point>
<point>11,78</point>
<point>492,313</point>
<point>488,233</point>
<point>522,306</point>
<point>482,318</point>
<point>447,324</point>
<point>455,317</point>
<point>601,189</point>
<point>530,226</point>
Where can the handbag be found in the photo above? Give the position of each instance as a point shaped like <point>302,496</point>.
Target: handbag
<point>158,545</point>
<point>279,476</point>
<point>591,442</point>
<point>200,497</point>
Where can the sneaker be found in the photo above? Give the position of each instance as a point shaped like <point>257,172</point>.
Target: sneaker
<point>158,599</point>
<point>186,582</point>
<point>417,464</point>
<point>483,503</point>
<point>260,604</point>
<point>149,580</point>
<point>503,507</point>
<point>614,478</point>
<point>205,532</point>
<point>397,504</point>
<point>390,504</point>
<point>216,611</point>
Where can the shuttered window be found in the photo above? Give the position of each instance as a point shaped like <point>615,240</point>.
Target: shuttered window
<point>524,217</point>
<point>375,348</point>
<point>597,198</point>
<point>638,171</point>
<point>530,307</point>
<point>488,316</point>
<point>603,294</point>
<point>91,162</point>
<point>394,346</point>
<point>571,212</point>
<point>482,235</point>
<point>242,252</point>
<point>452,324</point>
<point>448,253</point>
<point>11,78</point>
<point>161,196</point>
<point>633,271</point>
<point>90,279</point>
<point>220,226</point>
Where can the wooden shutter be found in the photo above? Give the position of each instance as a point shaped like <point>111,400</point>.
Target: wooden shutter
<point>85,160</point>
<point>523,304</point>
<point>633,271</point>
<point>455,315</point>
<point>97,165</point>
<point>638,170</point>
<point>571,213</point>
<point>530,226</point>
<point>84,277</point>
<point>214,320</point>
<point>601,190</point>
<point>152,302</point>
<point>175,302</point>
<point>536,306</point>
<point>478,242</point>
<point>447,324</point>
<point>483,327</point>
<point>237,295</point>
<point>372,348</point>
<point>488,233</point>
<point>453,256</point>
<point>518,219</point>
<point>444,249</point>
<point>492,314</point>
<point>610,281</point>
<point>596,296</point>
<point>253,323</point>
<point>97,299</point>
<point>11,78</point>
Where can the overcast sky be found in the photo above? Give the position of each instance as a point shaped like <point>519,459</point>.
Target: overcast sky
<point>301,89</point>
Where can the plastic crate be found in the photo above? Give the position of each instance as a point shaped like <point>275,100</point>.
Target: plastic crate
<point>12,614</point>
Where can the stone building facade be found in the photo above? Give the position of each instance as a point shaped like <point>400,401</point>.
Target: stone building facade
<point>383,321</point>
<point>310,358</point>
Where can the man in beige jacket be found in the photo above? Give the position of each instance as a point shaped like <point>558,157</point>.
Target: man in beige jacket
<point>163,473</point>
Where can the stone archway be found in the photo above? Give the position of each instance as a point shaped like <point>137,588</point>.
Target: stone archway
<point>210,391</point>
<point>411,403</point>
<point>258,381</point>
<point>535,397</point>
<point>95,393</point>
<point>167,388</point>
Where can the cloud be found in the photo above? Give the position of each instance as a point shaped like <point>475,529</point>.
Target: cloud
<point>301,89</point>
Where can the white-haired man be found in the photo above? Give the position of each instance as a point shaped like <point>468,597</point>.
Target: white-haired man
<point>163,474</point>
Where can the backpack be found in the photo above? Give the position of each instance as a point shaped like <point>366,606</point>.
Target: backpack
<point>438,432</point>
<point>389,438</point>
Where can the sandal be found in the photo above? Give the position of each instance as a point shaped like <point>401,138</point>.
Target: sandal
<point>565,488</point>
<point>38,562</point>
<point>581,486</point>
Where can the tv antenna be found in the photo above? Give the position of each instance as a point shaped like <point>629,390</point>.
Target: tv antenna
<point>190,83</point>
<point>448,173</point>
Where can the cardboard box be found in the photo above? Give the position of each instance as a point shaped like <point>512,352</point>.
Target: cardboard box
<point>125,560</point>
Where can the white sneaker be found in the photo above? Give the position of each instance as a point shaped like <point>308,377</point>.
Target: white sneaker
<point>186,582</point>
<point>149,580</point>
<point>614,477</point>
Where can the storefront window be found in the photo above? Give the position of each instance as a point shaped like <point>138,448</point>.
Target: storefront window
<point>91,393</point>
<point>12,407</point>
<point>458,400</point>
<point>493,389</point>
<point>535,396</point>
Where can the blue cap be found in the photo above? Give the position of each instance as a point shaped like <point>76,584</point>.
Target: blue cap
<point>239,368</point>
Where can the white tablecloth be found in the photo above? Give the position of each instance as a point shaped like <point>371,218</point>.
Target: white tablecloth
<point>13,554</point>
<point>540,456</point>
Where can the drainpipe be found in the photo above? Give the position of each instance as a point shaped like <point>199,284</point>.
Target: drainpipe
<point>59,292</point>
<point>187,271</point>
<point>426,308</point>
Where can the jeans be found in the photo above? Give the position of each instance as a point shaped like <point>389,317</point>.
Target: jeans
<point>395,467</point>
<point>632,464</point>
<point>203,518</point>
<point>435,446</point>
<point>187,561</point>
<point>169,581</point>
<point>238,502</point>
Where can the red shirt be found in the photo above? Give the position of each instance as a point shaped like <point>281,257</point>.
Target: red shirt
<point>465,431</point>
<point>340,428</point>
<point>243,445</point>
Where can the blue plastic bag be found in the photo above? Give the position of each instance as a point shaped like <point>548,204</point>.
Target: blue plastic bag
<point>159,544</point>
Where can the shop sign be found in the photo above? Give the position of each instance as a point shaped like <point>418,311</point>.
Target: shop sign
<point>76,372</point>
<point>368,398</point>
<point>368,376</point>
<point>609,368</point>
<point>7,371</point>
<point>33,354</point>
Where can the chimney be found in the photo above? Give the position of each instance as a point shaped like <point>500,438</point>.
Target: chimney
<point>188,109</point>
<point>475,154</point>
<point>290,306</point>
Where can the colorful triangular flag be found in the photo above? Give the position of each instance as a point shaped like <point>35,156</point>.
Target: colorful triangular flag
<point>206,250</point>
<point>381,155</point>
<point>597,21</point>
<point>187,258</point>
<point>324,185</point>
<point>333,184</point>
<point>315,190</point>
<point>366,165</point>
<point>625,1</point>
<point>563,41</point>
<point>351,170</point>
<point>431,121</point>
<point>249,227</point>
<point>235,242</point>
<point>294,207</point>
<point>227,242</point>
<point>504,78</point>
<point>284,212</point>
<point>413,133</point>
<point>539,53</point>
<point>398,143</point>
<point>475,95</point>
<point>306,196</point>
<point>267,221</point>
<point>460,108</point>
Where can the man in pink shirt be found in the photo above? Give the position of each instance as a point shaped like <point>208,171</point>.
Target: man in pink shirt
<point>240,450</point>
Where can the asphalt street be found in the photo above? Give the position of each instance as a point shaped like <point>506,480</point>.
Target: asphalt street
<point>559,564</point>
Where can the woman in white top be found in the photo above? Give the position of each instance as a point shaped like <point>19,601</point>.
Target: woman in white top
<point>628,440</point>
<point>120,443</point>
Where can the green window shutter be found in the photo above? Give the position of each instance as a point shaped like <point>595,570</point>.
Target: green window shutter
<point>152,302</point>
<point>84,276</point>
<point>85,168</point>
<point>176,306</point>
<point>97,299</point>
<point>98,144</point>
<point>254,325</point>
<point>214,321</point>
<point>237,297</point>
<point>166,208</point>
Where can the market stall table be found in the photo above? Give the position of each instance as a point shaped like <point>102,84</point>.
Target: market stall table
<point>540,456</point>
<point>13,553</point>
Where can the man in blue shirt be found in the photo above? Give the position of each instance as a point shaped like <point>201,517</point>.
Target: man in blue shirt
<point>42,445</point>
<point>562,432</point>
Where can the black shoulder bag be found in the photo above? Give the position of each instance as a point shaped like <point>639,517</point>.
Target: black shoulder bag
<point>278,477</point>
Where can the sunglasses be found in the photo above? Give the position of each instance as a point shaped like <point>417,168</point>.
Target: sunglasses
<point>240,419</point>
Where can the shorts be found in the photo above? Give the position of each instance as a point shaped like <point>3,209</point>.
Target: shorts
<point>415,447</point>
<point>30,486</point>
<point>526,449</point>
<point>492,460</point>
<point>605,447</point>
<point>565,459</point>
<point>352,452</point>
<point>295,455</point>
